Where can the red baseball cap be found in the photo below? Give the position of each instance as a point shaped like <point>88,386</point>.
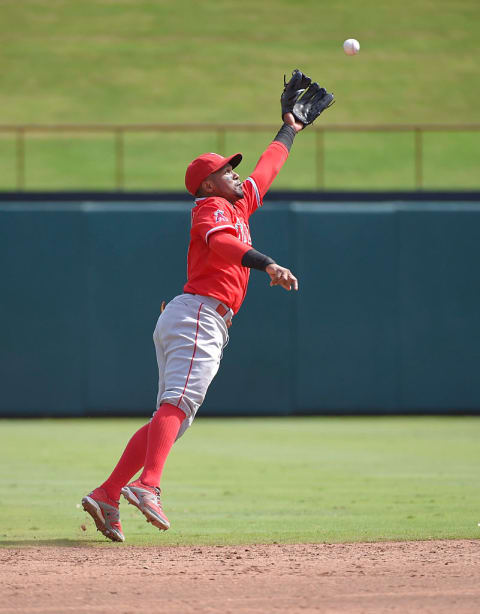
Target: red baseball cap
<point>206,164</point>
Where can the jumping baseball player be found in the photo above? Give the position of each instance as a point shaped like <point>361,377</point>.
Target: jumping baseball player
<point>192,331</point>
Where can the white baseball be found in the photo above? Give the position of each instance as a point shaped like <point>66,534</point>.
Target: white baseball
<point>351,46</point>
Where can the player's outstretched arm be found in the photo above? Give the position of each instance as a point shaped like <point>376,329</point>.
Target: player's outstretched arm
<point>280,276</point>
<point>290,120</point>
<point>302,102</point>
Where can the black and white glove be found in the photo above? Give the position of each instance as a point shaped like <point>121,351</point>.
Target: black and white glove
<point>306,100</point>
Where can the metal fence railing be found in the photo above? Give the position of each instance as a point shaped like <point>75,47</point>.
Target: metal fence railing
<point>118,133</point>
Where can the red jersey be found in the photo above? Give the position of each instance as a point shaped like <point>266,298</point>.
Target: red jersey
<point>208,273</point>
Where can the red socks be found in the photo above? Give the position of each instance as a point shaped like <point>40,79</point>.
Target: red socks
<point>130,462</point>
<point>162,433</point>
<point>148,448</point>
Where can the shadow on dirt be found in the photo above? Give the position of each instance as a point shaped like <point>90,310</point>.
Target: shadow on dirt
<point>18,543</point>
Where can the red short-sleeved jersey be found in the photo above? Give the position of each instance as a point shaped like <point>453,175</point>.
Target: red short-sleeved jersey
<point>208,273</point>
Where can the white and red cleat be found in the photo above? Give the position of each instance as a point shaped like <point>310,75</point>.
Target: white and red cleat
<point>147,500</point>
<point>105,514</point>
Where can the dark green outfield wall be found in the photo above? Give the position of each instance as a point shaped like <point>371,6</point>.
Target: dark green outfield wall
<point>386,319</point>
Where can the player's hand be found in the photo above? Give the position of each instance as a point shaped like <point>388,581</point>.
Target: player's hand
<point>290,120</point>
<point>280,276</point>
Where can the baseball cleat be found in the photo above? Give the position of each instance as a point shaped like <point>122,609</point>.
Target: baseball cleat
<point>147,500</point>
<point>105,514</point>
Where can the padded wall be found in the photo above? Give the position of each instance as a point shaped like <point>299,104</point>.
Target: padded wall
<point>386,319</point>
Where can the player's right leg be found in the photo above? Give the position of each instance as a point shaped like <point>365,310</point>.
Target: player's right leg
<point>147,500</point>
<point>189,340</point>
<point>144,493</point>
<point>192,336</point>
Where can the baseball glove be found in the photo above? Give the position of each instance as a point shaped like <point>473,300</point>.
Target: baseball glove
<point>306,100</point>
<point>293,90</point>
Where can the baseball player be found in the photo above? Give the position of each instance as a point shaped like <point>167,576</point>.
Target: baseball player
<point>192,331</point>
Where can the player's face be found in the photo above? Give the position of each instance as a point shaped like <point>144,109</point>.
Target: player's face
<point>226,183</point>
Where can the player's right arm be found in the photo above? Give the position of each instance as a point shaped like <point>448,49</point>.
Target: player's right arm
<point>212,222</point>
<point>232,250</point>
<point>280,276</point>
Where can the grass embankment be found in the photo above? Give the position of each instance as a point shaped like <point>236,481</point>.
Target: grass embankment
<point>232,481</point>
<point>139,62</point>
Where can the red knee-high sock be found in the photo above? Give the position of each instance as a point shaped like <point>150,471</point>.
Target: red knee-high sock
<point>162,433</point>
<point>130,462</point>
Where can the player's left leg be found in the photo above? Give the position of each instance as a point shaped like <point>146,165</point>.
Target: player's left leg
<point>144,493</point>
<point>130,463</point>
<point>102,503</point>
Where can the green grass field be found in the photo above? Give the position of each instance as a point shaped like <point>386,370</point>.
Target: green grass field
<point>232,481</point>
<point>138,61</point>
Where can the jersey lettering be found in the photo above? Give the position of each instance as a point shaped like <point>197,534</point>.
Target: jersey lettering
<point>243,232</point>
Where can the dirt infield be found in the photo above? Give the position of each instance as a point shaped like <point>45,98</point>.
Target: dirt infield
<point>435,576</point>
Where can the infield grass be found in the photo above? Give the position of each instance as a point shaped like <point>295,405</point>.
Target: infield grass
<point>233,481</point>
<point>138,61</point>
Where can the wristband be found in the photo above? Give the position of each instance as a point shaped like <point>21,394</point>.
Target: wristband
<point>285,135</point>
<point>256,260</point>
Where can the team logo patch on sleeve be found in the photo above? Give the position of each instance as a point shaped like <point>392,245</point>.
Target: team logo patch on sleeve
<point>220,216</point>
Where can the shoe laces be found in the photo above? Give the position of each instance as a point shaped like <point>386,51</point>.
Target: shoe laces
<point>157,495</point>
